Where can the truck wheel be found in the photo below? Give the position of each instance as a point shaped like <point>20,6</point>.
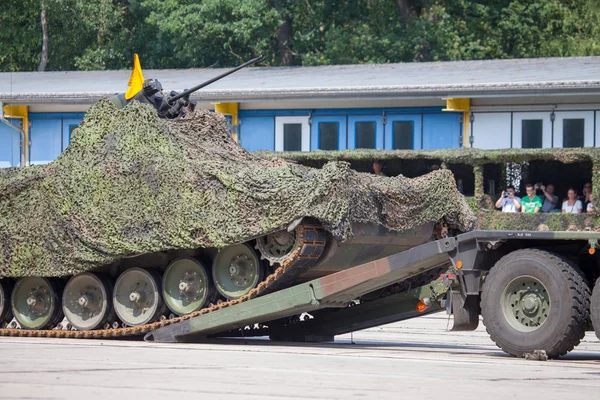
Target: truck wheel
<point>595,308</point>
<point>535,300</point>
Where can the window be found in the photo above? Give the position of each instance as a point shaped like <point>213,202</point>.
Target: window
<point>292,137</point>
<point>365,135</point>
<point>573,130</point>
<point>532,133</point>
<point>292,133</point>
<point>403,135</point>
<point>328,135</point>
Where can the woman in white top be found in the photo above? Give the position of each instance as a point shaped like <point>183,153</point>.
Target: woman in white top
<point>572,205</point>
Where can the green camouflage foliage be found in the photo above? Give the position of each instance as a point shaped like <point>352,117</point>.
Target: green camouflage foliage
<point>463,155</point>
<point>496,220</point>
<point>481,204</point>
<point>130,183</point>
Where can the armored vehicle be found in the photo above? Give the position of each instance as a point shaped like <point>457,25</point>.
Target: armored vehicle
<point>155,222</point>
<point>146,220</point>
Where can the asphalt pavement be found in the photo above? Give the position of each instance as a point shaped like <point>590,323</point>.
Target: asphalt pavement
<point>417,359</point>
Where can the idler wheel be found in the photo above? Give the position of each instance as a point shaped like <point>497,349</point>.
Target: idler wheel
<point>236,270</point>
<point>187,286</point>
<point>136,297</point>
<point>87,301</point>
<point>35,303</point>
<point>278,246</point>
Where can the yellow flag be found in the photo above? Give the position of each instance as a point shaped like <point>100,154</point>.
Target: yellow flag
<point>136,80</point>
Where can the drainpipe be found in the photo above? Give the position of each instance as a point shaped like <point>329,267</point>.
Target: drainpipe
<point>21,133</point>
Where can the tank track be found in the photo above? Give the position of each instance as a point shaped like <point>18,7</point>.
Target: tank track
<point>311,246</point>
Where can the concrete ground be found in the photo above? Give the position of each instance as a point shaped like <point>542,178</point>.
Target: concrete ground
<point>415,359</point>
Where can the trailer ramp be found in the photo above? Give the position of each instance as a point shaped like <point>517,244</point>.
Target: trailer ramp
<point>332,291</point>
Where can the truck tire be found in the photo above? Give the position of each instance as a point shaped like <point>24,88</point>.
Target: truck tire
<point>535,300</point>
<point>595,308</point>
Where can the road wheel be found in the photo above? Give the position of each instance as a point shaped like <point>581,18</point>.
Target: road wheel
<point>87,301</point>
<point>136,297</point>
<point>236,271</point>
<point>535,300</point>
<point>187,287</point>
<point>35,303</point>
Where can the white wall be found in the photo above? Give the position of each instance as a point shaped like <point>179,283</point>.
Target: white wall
<point>518,118</point>
<point>588,130</point>
<point>491,130</point>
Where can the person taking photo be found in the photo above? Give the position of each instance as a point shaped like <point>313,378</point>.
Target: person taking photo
<point>508,202</point>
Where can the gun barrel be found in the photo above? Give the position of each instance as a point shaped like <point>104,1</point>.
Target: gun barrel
<point>216,78</point>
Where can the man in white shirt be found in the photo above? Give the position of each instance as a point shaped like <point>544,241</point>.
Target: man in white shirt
<point>508,201</point>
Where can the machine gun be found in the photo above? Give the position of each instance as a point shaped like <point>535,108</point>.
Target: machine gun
<point>175,104</point>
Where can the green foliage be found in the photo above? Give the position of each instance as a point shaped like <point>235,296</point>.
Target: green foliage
<point>197,31</point>
<point>20,35</point>
<point>104,34</point>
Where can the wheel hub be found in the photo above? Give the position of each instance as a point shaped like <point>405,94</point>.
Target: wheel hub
<point>531,303</point>
<point>135,297</point>
<point>90,300</point>
<point>190,287</point>
<point>526,303</point>
<point>83,301</point>
<point>241,270</point>
<point>37,301</point>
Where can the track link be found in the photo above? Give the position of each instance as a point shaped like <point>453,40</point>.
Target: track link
<point>307,253</point>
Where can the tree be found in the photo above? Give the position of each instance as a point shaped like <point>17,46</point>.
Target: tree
<point>20,36</point>
<point>215,32</point>
<point>44,22</point>
<point>104,34</point>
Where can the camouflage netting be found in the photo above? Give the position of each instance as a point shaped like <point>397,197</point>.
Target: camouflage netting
<point>581,164</point>
<point>130,183</point>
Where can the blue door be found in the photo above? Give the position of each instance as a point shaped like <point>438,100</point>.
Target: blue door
<point>68,126</point>
<point>403,132</point>
<point>45,139</point>
<point>365,131</point>
<point>328,133</point>
<point>10,145</point>
<point>441,131</point>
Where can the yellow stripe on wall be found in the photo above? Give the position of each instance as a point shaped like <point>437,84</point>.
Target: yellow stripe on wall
<point>461,105</point>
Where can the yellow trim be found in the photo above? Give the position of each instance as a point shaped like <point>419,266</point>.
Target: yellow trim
<point>462,105</point>
<point>21,112</point>
<point>230,109</point>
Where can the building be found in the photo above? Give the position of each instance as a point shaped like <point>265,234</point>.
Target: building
<point>496,104</point>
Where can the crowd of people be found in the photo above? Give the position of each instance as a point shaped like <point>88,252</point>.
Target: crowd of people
<point>538,198</point>
<point>541,198</point>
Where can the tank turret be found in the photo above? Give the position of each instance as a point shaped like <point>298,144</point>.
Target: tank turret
<point>175,104</point>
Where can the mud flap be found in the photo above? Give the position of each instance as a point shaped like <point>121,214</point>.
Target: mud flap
<point>465,310</point>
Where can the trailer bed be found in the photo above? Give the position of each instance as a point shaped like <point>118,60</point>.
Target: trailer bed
<point>336,291</point>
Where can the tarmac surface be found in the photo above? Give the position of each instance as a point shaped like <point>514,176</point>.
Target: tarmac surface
<point>417,359</point>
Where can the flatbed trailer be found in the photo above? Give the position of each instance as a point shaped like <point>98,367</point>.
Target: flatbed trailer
<point>533,289</point>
